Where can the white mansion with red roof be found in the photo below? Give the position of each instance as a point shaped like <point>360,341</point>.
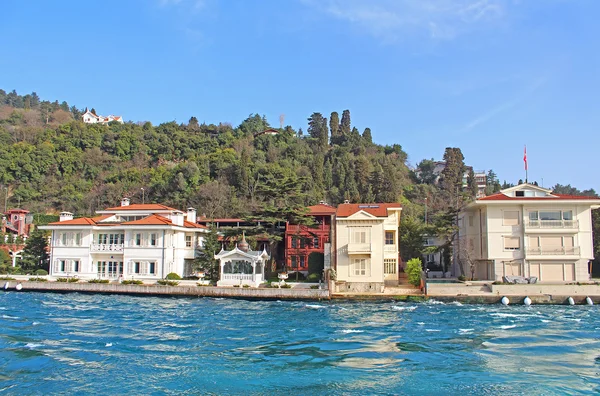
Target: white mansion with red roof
<point>140,241</point>
<point>91,118</point>
<point>527,231</point>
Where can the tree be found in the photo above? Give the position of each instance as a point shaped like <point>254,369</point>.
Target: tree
<point>35,254</point>
<point>367,136</point>
<point>334,125</point>
<point>317,129</point>
<point>454,170</point>
<point>425,172</point>
<point>93,111</point>
<point>345,125</point>
<point>412,235</point>
<point>473,189</point>
<point>205,255</point>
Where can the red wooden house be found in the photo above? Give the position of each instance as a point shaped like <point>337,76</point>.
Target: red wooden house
<point>301,241</point>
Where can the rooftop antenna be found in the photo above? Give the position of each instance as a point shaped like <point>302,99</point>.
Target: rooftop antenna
<point>525,160</point>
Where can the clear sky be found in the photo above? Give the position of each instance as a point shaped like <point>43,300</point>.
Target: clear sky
<point>488,76</point>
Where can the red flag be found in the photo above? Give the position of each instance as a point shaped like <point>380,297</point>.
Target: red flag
<point>525,157</point>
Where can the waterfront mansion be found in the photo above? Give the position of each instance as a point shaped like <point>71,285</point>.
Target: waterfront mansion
<point>140,241</point>
<point>527,231</point>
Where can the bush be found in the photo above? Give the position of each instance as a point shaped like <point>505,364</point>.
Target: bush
<point>38,280</point>
<point>132,282</point>
<point>62,280</point>
<point>236,285</point>
<point>41,272</point>
<point>73,280</point>
<point>173,276</point>
<point>461,278</point>
<point>98,281</point>
<point>245,286</point>
<point>313,277</point>
<point>165,282</point>
<point>414,269</point>
<point>314,287</point>
<point>293,276</point>
<point>7,278</point>
<point>286,286</point>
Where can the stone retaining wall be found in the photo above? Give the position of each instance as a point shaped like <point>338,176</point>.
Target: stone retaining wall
<point>196,291</point>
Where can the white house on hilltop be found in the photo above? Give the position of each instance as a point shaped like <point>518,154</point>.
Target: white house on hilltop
<point>91,118</point>
<point>527,231</point>
<point>141,241</point>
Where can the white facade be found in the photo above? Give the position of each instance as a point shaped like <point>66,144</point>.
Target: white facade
<point>527,231</point>
<point>131,241</point>
<point>366,246</point>
<point>90,118</point>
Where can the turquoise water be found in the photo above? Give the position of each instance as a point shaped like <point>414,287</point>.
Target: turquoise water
<point>105,344</point>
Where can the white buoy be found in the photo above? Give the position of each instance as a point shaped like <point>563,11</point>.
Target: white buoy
<point>589,301</point>
<point>527,301</point>
<point>19,287</point>
<point>505,301</point>
<point>6,286</point>
<point>571,301</point>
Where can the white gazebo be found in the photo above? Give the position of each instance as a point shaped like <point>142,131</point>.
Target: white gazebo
<point>242,266</point>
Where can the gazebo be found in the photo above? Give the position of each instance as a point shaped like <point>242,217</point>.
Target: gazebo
<point>242,266</point>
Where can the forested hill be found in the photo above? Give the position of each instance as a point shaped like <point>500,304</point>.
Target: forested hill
<point>51,161</point>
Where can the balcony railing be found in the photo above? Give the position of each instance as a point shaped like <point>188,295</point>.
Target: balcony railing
<point>389,248</point>
<point>552,224</point>
<point>237,277</point>
<point>295,228</point>
<point>106,247</point>
<point>357,248</point>
<point>555,251</point>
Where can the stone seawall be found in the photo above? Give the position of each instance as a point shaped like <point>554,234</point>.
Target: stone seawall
<point>192,291</point>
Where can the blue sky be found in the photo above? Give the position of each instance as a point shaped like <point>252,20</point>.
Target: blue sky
<point>488,76</point>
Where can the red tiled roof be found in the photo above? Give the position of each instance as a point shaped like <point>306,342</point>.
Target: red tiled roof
<point>203,219</point>
<point>375,209</point>
<point>150,220</point>
<point>321,209</point>
<point>141,207</point>
<point>502,197</point>
<point>79,221</point>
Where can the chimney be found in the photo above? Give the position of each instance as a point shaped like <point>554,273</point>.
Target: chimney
<point>65,216</point>
<point>177,218</point>
<point>125,202</point>
<point>346,201</point>
<point>191,215</point>
<point>321,202</point>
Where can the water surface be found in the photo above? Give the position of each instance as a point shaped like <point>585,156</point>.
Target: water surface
<point>108,344</point>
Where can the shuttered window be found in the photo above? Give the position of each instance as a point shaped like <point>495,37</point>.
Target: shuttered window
<point>512,243</point>
<point>510,218</point>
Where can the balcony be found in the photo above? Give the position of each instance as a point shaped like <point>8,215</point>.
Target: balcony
<point>553,251</point>
<point>390,248</point>
<point>359,248</point>
<point>292,228</point>
<point>106,247</point>
<point>552,224</point>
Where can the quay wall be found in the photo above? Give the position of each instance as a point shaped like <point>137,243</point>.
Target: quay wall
<point>157,290</point>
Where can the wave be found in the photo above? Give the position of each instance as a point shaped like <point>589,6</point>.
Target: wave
<point>506,327</point>
<point>9,317</point>
<point>465,331</point>
<point>432,330</point>
<point>347,331</point>
<point>32,345</point>
<point>399,308</point>
<point>315,306</point>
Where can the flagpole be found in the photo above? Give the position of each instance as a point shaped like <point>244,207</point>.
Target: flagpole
<point>525,160</point>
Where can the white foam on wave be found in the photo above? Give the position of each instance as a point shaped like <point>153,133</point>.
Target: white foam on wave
<point>399,308</point>
<point>573,319</point>
<point>457,303</point>
<point>35,323</point>
<point>9,317</point>
<point>511,315</point>
<point>420,323</point>
<point>348,331</point>
<point>506,327</point>
<point>108,344</point>
<point>436,302</point>
<point>465,331</point>
<point>314,306</point>
<point>32,345</point>
<point>546,321</point>
<point>432,330</point>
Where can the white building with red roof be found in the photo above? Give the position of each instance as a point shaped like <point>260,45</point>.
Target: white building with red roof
<point>366,246</point>
<point>90,118</point>
<point>526,231</point>
<point>139,241</point>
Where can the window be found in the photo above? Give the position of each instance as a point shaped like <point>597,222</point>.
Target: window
<point>153,240</point>
<point>533,216</point>
<point>294,243</point>
<point>316,242</point>
<point>390,238</point>
<point>359,235</point>
<point>63,265</point>
<point>302,261</point>
<point>512,243</point>
<point>152,268</point>
<point>359,267</point>
<point>188,240</point>
<point>138,240</point>
<point>511,218</point>
<point>470,221</point>
<point>75,266</point>
<point>429,242</point>
<point>63,239</point>
<point>78,239</point>
<point>553,215</point>
<point>294,261</point>
<point>302,243</point>
<point>389,266</point>
<point>141,267</point>
<point>567,215</point>
<point>136,267</point>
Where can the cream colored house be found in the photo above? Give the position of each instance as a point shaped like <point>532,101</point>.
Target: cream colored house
<point>366,246</point>
<point>527,231</point>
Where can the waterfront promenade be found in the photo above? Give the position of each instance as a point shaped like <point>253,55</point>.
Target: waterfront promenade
<point>467,292</point>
